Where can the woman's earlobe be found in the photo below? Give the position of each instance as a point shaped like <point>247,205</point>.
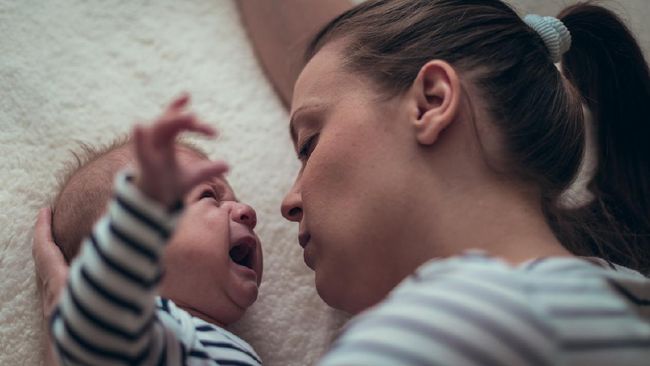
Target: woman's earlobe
<point>427,129</point>
<point>438,93</point>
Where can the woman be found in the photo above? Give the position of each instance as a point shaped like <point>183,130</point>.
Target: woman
<point>430,129</point>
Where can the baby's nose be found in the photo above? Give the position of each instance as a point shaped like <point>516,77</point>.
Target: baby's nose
<point>243,214</point>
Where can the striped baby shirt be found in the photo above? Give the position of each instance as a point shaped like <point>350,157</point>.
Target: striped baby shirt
<point>110,314</point>
<point>478,310</point>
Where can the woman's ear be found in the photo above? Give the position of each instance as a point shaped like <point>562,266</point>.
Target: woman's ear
<point>437,92</point>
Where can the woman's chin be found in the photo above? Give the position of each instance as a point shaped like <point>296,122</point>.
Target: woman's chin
<point>342,298</point>
<point>332,295</point>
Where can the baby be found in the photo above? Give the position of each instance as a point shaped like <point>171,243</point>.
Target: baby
<point>176,201</point>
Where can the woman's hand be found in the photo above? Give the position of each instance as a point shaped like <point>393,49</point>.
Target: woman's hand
<point>51,269</point>
<point>160,177</point>
<point>51,272</point>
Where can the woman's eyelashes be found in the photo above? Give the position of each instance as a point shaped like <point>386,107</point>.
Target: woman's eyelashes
<point>307,147</point>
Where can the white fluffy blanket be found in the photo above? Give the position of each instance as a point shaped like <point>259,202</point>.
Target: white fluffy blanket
<point>84,71</point>
<point>79,71</point>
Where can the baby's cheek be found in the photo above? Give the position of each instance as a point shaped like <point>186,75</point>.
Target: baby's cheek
<point>209,214</point>
<point>201,236</point>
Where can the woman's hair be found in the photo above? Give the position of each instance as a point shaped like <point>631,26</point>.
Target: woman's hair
<point>537,110</point>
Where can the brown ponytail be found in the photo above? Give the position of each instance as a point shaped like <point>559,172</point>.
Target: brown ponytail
<point>607,66</point>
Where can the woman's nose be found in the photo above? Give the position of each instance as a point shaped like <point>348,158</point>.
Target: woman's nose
<point>292,206</point>
<point>243,214</point>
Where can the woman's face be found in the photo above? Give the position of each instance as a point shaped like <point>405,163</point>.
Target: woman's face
<point>353,195</point>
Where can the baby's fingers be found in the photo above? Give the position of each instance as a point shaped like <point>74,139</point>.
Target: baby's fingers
<point>179,103</point>
<point>202,128</point>
<point>165,131</point>
<point>142,145</point>
<point>203,171</point>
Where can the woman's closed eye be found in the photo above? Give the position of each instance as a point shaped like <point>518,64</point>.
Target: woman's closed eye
<point>307,147</point>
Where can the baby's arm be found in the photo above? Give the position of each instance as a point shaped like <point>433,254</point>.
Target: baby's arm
<point>106,313</point>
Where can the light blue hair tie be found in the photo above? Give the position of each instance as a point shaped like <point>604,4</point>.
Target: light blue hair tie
<point>554,33</point>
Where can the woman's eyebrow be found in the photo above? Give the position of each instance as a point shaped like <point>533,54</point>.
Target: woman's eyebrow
<point>294,118</point>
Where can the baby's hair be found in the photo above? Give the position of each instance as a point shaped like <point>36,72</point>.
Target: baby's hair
<point>75,210</point>
<point>536,109</point>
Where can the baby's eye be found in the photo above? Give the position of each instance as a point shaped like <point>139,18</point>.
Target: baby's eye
<point>209,193</point>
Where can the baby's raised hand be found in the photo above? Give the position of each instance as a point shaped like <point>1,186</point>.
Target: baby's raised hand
<point>160,177</point>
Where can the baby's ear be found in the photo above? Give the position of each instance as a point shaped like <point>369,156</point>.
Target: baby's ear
<point>437,91</point>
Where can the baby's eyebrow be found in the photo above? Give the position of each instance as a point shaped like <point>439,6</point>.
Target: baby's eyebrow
<point>222,189</point>
<point>218,188</point>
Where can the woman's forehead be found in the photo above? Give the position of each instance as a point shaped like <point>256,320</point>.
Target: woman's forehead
<point>321,79</point>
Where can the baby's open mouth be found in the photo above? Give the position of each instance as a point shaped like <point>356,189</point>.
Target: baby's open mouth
<point>243,254</point>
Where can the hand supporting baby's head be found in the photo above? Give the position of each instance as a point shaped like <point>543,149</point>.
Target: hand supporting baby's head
<point>213,260</point>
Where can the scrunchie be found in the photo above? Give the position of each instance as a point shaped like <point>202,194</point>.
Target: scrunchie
<point>554,33</point>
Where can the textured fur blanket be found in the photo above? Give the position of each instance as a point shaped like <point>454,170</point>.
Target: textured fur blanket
<point>84,71</point>
<point>77,71</point>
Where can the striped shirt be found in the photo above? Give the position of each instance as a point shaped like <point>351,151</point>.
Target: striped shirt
<point>477,310</point>
<point>109,312</point>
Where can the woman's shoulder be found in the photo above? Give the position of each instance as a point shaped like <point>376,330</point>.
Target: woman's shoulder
<point>476,268</point>
<point>547,293</point>
<point>456,311</point>
<point>475,308</point>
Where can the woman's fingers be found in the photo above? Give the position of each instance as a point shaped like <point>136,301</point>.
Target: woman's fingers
<point>51,268</point>
<point>52,273</point>
<point>47,256</point>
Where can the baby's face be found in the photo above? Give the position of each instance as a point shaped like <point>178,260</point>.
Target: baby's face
<point>213,262</point>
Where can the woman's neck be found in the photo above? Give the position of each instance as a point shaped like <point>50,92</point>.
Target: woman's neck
<point>503,220</point>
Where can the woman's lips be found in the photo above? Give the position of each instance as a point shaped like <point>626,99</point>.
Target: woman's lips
<point>308,257</point>
<point>303,239</point>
